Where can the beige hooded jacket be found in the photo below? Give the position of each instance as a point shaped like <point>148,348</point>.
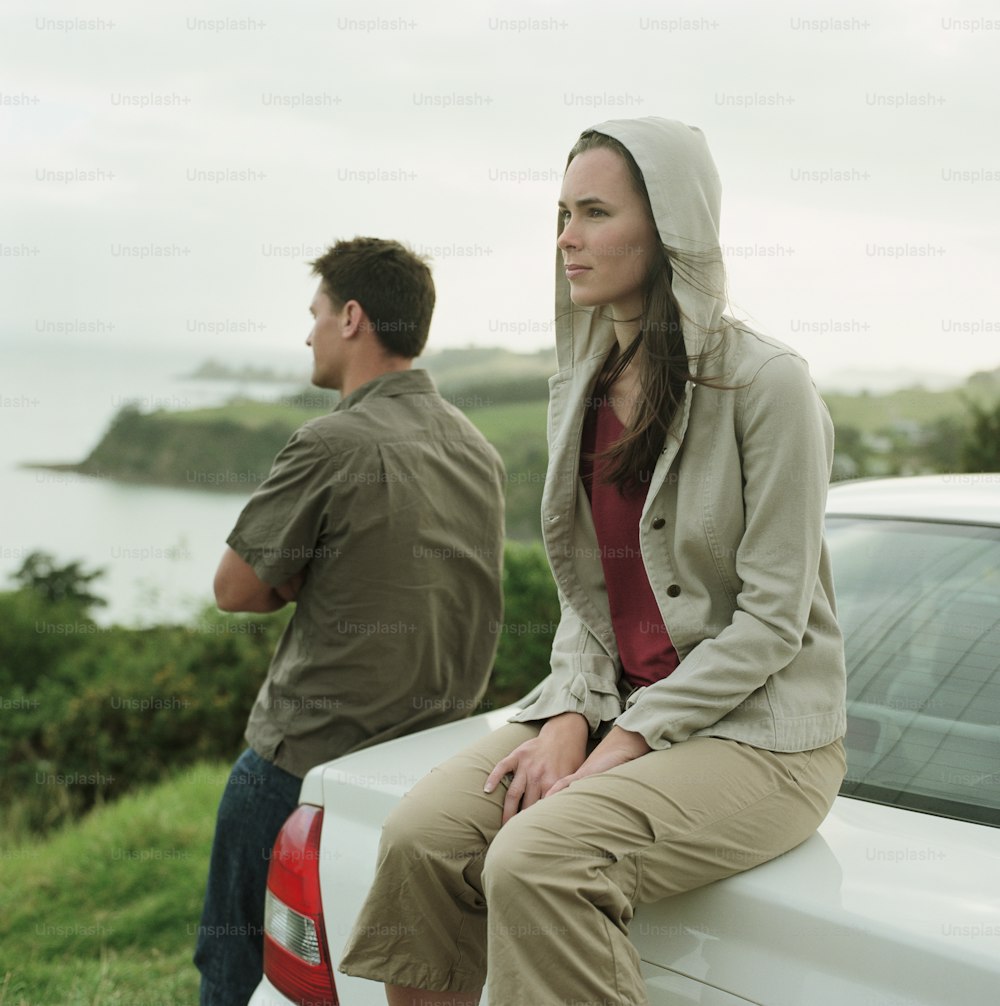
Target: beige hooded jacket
<point>732,528</point>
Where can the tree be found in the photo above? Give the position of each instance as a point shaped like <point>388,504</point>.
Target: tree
<point>40,573</point>
<point>981,447</point>
<point>850,458</point>
<point>940,448</point>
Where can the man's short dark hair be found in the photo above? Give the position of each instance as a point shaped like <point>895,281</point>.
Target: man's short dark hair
<point>392,284</point>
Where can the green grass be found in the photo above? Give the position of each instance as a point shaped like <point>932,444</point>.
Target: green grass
<point>505,421</point>
<point>253,414</point>
<point>104,912</point>
<point>874,413</point>
<point>511,423</point>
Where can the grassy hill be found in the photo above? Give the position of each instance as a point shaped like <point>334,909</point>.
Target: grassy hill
<point>455,368</point>
<point>105,912</point>
<point>875,413</point>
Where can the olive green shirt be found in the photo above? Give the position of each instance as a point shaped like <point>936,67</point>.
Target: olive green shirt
<point>393,506</point>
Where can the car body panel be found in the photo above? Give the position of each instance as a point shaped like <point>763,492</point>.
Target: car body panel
<point>971,497</point>
<point>817,926</point>
<point>677,990</point>
<point>267,995</point>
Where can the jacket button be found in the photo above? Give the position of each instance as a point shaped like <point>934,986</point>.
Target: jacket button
<point>658,523</point>
<point>673,590</point>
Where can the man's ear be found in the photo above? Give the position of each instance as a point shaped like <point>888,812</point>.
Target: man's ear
<point>353,319</point>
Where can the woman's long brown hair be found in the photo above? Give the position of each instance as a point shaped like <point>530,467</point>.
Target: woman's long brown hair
<point>658,348</point>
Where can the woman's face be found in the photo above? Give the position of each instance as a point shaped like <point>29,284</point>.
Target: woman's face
<point>608,239</point>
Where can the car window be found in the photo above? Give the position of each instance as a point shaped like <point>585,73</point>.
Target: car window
<point>919,603</point>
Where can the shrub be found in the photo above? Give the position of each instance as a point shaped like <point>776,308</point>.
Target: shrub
<point>531,613</point>
<point>118,707</point>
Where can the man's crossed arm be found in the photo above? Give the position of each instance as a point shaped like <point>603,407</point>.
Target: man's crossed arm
<point>238,588</point>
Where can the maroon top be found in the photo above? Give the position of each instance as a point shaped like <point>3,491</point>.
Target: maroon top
<point>647,654</point>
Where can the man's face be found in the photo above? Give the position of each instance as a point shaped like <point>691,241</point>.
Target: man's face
<point>327,341</point>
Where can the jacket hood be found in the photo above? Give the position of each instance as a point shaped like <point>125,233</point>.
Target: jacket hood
<point>686,196</point>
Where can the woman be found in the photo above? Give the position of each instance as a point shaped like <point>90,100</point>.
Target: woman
<point>691,725</point>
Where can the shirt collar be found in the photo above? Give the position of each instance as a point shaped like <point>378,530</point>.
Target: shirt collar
<point>415,381</point>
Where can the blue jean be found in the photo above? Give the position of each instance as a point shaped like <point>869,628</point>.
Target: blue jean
<point>257,801</point>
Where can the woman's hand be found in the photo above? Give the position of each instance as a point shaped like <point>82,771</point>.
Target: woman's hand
<point>536,765</point>
<point>618,747</point>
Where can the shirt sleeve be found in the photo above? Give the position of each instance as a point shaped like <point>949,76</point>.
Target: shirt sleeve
<point>584,678</point>
<point>284,524</point>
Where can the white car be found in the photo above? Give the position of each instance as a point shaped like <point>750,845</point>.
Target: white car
<point>894,902</point>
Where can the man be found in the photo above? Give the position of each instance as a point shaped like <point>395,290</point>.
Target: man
<point>383,521</point>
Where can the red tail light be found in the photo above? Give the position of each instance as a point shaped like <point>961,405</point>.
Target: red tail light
<point>296,960</point>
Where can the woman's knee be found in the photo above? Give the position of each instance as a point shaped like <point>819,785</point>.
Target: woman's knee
<point>434,832</point>
<point>416,826</point>
<point>521,856</point>
<point>501,860</point>
<point>400,832</point>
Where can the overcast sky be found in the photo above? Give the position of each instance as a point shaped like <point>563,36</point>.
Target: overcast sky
<point>167,169</point>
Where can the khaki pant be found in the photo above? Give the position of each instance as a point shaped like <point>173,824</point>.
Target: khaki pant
<point>561,878</point>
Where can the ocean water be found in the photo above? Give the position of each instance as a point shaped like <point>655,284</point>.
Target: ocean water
<point>158,546</point>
